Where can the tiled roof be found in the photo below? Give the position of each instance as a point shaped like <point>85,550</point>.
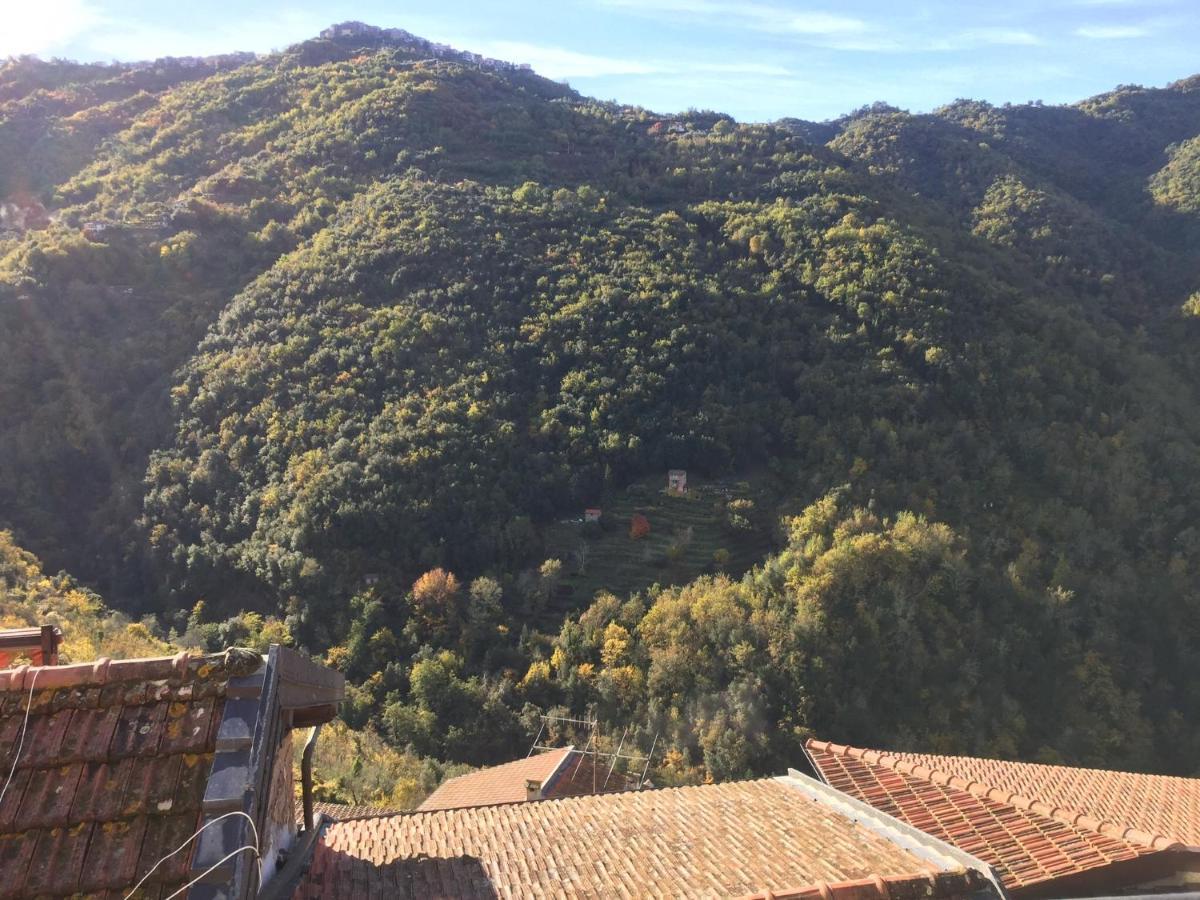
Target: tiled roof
<point>111,772</point>
<point>1162,808</point>
<point>1027,841</point>
<point>725,840</point>
<point>341,812</point>
<point>496,784</point>
<point>565,772</point>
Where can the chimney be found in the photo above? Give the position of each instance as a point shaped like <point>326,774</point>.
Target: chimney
<point>533,789</point>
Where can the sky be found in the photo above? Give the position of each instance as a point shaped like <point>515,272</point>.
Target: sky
<point>757,61</point>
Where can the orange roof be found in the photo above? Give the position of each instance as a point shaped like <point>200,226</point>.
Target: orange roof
<point>496,784</point>
<point>115,764</point>
<point>723,840</point>
<point>1027,840</point>
<point>564,772</point>
<point>1162,808</point>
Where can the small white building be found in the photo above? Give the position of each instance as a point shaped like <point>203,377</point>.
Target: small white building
<point>677,481</point>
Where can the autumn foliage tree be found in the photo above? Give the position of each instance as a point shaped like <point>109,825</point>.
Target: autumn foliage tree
<point>437,615</point>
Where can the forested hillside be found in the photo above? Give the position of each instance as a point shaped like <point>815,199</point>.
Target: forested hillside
<point>334,346</point>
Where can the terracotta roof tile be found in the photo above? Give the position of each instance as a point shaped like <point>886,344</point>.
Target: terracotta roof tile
<point>111,774</point>
<point>496,784</point>
<point>341,812</point>
<point>1162,809</point>
<point>726,840</point>
<point>565,772</point>
<point>1027,841</point>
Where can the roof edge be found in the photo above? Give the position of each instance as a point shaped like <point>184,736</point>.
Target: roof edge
<point>558,768</point>
<point>571,799</point>
<point>891,887</point>
<point>914,840</point>
<point>976,788</point>
<point>238,660</point>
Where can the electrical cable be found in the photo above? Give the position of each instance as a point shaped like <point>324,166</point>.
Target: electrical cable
<point>196,834</point>
<point>24,729</point>
<point>214,866</point>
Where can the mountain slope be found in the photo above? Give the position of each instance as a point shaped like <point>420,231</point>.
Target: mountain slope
<point>367,308</point>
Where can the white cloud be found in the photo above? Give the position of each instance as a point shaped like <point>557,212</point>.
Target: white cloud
<point>45,27</point>
<point>753,16</point>
<point>559,62</point>
<point>79,29</point>
<point>764,69</point>
<point>128,39</point>
<point>1112,32</point>
<point>1013,37</point>
<point>818,23</point>
<point>563,63</point>
<point>831,31</point>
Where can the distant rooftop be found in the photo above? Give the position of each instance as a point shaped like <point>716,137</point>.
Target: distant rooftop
<point>565,772</point>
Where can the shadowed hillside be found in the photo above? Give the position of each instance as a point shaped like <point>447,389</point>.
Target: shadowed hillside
<point>286,334</point>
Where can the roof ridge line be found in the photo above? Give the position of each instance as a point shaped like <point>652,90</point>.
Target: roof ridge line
<point>104,670</point>
<point>985,791</point>
<point>511,762</point>
<point>573,797</point>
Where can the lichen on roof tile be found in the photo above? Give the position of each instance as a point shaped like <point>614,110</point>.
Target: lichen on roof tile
<point>112,769</point>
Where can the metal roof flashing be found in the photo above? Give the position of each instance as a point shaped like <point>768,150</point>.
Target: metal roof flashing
<point>915,841</point>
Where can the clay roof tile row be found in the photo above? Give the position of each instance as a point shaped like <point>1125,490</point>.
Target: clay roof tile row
<point>724,840</point>
<point>1029,840</point>
<point>111,773</point>
<point>1160,810</point>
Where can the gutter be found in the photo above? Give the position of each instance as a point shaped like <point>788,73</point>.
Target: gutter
<point>306,780</point>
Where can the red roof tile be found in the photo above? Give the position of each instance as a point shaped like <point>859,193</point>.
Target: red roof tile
<point>111,772</point>
<point>725,840</point>
<point>1028,841</point>
<point>1161,809</point>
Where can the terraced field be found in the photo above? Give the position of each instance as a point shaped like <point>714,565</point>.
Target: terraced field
<point>687,534</point>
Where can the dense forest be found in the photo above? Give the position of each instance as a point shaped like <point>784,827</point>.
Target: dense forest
<point>334,346</point>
